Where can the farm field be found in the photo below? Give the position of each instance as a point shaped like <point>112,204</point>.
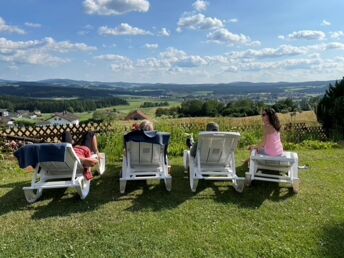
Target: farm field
<point>264,221</point>
<point>134,104</point>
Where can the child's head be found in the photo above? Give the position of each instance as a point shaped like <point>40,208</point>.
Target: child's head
<point>146,125</point>
<point>212,126</point>
<point>269,116</point>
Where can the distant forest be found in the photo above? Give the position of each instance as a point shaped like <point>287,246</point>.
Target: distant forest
<point>50,106</point>
<point>239,108</point>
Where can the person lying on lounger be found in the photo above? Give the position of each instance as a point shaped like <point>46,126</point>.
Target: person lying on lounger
<point>84,149</point>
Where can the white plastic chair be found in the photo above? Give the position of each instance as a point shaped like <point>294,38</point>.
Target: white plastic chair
<point>62,174</point>
<point>145,161</point>
<point>214,160</point>
<point>286,166</point>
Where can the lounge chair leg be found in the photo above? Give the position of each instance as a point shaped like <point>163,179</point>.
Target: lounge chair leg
<point>83,187</point>
<point>248,180</point>
<point>33,195</point>
<point>193,184</point>
<point>186,159</point>
<point>239,186</point>
<point>296,186</point>
<point>168,184</point>
<point>122,185</point>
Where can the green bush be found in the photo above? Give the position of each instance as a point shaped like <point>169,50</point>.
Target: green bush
<point>311,145</point>
<point>112,142</point>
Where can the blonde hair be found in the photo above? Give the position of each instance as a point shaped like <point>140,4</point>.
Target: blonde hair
<point>146,125</point>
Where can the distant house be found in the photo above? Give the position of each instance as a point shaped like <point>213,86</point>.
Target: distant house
<point>6,122</point>
<point>136,115</point>
<point>22,113</point>
<point>64,118</point>
<point>37,112</point>
<point>3,112</point>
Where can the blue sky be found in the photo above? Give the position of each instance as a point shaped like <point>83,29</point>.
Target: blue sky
<point>178,41</point>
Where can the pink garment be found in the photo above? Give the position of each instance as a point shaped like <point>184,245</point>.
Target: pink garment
<point>273,145</point>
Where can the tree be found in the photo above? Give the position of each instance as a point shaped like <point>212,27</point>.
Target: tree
<point>285,106</point>
<point>330,110</point>
<point>191,108</point>
<point>212,108</point>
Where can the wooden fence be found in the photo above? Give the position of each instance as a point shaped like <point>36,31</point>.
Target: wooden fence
<point>293,132</point>
<point>51,133</point>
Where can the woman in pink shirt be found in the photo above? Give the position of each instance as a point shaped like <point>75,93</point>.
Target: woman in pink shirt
<point>271,144</point>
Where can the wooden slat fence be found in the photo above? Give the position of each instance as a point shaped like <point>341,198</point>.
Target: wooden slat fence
<point>51,133</point>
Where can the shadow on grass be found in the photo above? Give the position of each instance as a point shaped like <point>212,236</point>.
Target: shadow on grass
<point>332,244</point>
<point>59,202</point>
<point>253,196</point>
<point>103,190</point>
<point>13,200</point>
<point>156,197</point>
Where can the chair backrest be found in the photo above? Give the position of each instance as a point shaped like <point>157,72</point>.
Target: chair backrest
<point>216,148</point>
<point>146,151</point>
<point>143,153</point>
<point>64,166</point>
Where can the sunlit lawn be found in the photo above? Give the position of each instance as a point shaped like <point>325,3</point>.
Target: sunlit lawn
<point>264,221</point>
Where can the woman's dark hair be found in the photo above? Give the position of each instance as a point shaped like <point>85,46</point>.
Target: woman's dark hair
<point>67,137</point>
<point>273,118</point>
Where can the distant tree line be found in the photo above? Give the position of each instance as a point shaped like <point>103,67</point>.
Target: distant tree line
<point>50,106</point>
<point>154,104</point>
<point>239,108</point>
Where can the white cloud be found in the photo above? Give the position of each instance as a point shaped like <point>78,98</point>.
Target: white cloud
<point>115,7</point>
<point>114,58</point>
<point>255,43</point>
<point>234,20</point>
<point>334,45</point>
<point>33,25</point>
<point>9,28</point>
<point>124,29</point>
<point>38,52</point>
<point>151,46</point>
<point>200,5</point>
<point>34,58</point>
<point>85,30</point>
<point>325,23</point>
<point>224,36</point>
<point>164,32</point>
<point>336,34</point>
<point>66,46</point>
<point>281,37</point>
<point>308,35</point>
<point>280,63</point>
<point>198,22</point>
<point>283,50</point>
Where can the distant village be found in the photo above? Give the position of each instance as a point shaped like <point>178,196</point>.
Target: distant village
<point>9,119</point>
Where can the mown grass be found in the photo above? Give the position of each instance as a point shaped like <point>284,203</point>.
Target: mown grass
<point>264,221</point>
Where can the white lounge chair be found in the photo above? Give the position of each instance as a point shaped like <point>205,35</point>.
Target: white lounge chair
<point>65,171</point>
<point>146,160</point>
<point>286,166</point>
<point>215,159</point>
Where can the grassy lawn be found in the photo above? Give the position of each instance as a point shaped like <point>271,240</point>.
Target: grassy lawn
<point>264,221</point>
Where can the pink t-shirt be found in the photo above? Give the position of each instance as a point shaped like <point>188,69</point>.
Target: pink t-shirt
<point>273,145</point>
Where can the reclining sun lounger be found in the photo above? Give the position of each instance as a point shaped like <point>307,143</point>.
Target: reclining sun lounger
<point>214,160</point>
<point>56,166</point>
<point>286,166</point>
<point>145,158</point>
